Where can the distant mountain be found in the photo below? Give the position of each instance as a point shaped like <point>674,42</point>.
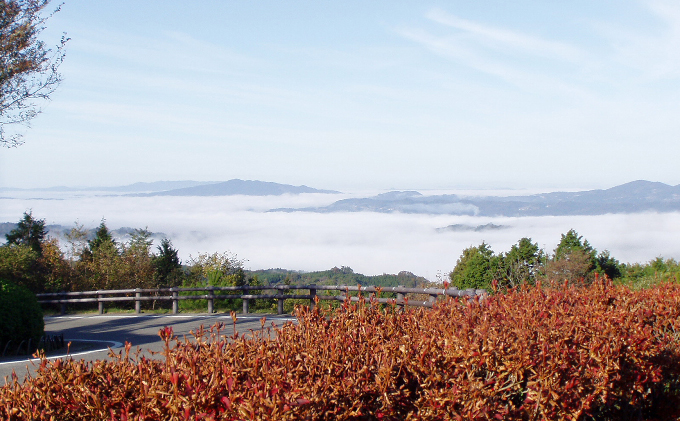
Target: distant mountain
<point>156,186</point>
<point>129,188</point>
<point>636,196</point>
<point>188,188</point>
<point>239,187</point>
<point>404,202</point>
<point>478,228</point>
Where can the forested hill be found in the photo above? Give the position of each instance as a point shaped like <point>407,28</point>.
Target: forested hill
<point>337,276</point>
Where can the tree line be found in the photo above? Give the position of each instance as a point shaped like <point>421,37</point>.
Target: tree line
<point>574,261</point>
<point>343,275</point>
<point>100,262</point>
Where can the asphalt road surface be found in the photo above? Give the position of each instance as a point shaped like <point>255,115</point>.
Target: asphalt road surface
<point>91,336</point>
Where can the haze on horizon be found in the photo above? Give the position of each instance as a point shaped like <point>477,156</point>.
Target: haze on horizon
<point>360,95</point>
<point>371,243</point>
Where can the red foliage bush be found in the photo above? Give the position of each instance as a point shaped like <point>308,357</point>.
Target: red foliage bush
<point>599,352</point>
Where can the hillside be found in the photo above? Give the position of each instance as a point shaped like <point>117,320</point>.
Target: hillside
<point>337,276</point>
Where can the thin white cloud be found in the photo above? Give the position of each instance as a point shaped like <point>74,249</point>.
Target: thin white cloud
<point>518,74</point>
<point>650,50</point>
<point>171,50</point>
<point>503,39</point>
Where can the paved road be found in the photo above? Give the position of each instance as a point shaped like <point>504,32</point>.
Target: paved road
<point>92,335</point>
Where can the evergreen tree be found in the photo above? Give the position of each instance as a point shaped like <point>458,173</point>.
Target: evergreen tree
<point>476,268</point>
<point>102,238</point>
<point>608,265</point>
<point>29,232</point>
<point>522,263</point>
<point>571,242</point>
<point>574,261</point>
<point>167,265</point>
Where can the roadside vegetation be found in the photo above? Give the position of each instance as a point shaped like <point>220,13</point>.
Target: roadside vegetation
<point>596,352</point>
<point>574,260</point>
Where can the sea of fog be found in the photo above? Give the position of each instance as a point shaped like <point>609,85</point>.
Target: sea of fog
<point>369,243</point>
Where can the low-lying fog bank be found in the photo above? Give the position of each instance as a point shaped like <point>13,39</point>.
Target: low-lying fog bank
<point>370,243</point>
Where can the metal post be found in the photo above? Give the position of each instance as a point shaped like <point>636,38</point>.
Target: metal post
<point>280,294</point>
<point>400,297</point>
<point>211,299</point>
<point>63,305</point>
<point>433,298</point>
<point>175,301</point>
<point>312,292</point>
<point>246,304</point>
<point>138,302</point>
<point>100,303</point>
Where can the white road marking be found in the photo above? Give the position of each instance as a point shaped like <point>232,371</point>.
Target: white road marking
<point>174,316</point>
<point>115,345</point>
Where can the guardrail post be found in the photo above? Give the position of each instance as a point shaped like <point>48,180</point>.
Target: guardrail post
<point>138,302</point>
<point>211,299</point>
<point>433,298</point>
<point>312,292</point>
<point>280,294</point>
<point>246,305</point>
<point>63,305</point>
<point>175,300</point>
<point>100,303</point>
<point>400,296</point>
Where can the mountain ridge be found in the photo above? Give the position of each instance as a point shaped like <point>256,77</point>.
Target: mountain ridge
<point>635,196</point>
<point>239,187</point>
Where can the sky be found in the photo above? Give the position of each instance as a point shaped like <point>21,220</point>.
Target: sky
<point>360,95</point>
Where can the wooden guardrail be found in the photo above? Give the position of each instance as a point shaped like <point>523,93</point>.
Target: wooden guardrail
<point>172,294</point>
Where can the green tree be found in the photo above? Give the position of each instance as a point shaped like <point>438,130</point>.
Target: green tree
<point>167,265</point>
<point>476,268</point>
<point>570,242</point>
<point>77,242</point>
<point>137,259</point>
<point>101,265</point>
<point>103,268</point>
<point>607,265</point>
<point>217,269</point>
<point>522,263</point>
<point>574,261</point>
<point>102,238</point>
<point>642,275</point>
<point>19,264</point>
<point>140,241</point>
<point>29,232</point>
<point>55,271</point>
<point>28,69</point>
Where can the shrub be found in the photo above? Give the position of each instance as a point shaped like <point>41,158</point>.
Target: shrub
<point>19,264</point>
<point>21,317</point>
<point>599,352</point>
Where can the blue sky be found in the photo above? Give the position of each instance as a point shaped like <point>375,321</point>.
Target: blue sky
<point>357,95</point>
